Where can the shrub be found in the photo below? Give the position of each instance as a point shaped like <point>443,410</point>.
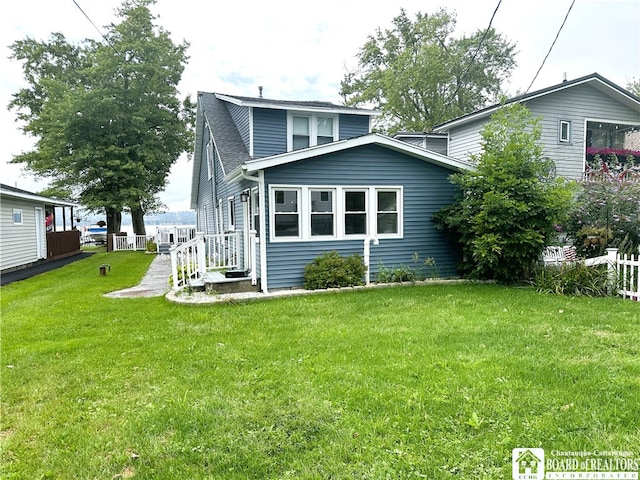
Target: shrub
<point>151,246</point>
<point>573,279</point>
<point>420,270</point>
<point>331,270</point>
<point>506,209</point>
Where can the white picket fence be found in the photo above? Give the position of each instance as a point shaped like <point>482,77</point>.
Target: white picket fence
<point>624,272</point>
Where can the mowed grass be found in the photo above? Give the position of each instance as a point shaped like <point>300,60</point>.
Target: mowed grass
<point>436,381</point>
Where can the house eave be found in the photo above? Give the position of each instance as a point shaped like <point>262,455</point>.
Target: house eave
<point>255,165</point>
<point>279,105</point>
<point>6,191</point>
<point>597,81</point>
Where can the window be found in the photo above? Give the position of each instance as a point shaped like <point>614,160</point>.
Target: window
<point>301,137</point>
<point>564,131</point>
<point>308,130</point>
<point>325,130</point>
<point>255,211</point>
<point>387,211</point>
<point>17,216</point>
<point>330,213</point>
<point>355,212</point>
<point>210,159</point>
<point>322,213</point>
<point>286,222</point>
<point>232,213</point>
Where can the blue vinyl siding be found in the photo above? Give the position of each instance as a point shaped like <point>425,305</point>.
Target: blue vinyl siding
<point>426,190</point>
<point>269,132</point>
<point>351,126</point>
<point>240,117</point>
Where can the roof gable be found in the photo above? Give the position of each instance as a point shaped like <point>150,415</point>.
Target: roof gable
<point>595,80</point>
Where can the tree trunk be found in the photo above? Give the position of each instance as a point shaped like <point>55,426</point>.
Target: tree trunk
<point>137,219</point>
<point>114,220</point>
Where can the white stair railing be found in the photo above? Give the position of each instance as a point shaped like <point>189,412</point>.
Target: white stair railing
<point>188,263</point>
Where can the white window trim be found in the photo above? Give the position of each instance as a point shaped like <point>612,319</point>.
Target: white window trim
<point>313,127</point>
<point>17,211</point>
<point>304,212</point>
<point>333,212</point>
<point>568,124</point>
<point>210,159</point>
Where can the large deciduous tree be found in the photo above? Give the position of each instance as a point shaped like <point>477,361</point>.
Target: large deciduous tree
<point>106,115</point>
<point>507,208</point>
<point>418,75</point>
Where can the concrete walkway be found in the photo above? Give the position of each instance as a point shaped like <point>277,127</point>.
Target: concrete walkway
<point>155,283</point>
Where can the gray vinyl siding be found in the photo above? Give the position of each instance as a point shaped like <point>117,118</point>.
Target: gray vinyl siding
<point>240,117</point>
<point>426,190</point>
<point>575,104</point>
<point>269,132</point>
<point>465,141</point>
<point>18,244</point>
<point>351,126</point>
<point>434,144</point>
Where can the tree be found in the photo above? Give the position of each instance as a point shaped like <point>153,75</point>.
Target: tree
<point>506,209</point>
<point>106,115</point>
<point>418,75</point>
<point>634,87</point>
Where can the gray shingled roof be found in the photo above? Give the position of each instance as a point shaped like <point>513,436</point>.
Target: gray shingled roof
<point>232,150</point>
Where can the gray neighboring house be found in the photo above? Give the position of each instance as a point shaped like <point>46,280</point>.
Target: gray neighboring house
<point>309,177</point>
<point>34,229</point>
<point>588,112</point>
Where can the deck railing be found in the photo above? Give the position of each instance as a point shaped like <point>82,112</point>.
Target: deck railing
<point>130,242</point>
<point>175,235</point>
<point>191,260</point>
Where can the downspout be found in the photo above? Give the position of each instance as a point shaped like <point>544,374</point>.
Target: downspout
<point>263,228</point>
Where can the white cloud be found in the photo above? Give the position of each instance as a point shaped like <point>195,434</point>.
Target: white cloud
<point>298,50</point>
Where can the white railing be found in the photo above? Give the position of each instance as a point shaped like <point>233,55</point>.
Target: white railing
<point>130,242</point>
<point>223,251</point>
<point>624,273</point>
<point>191,260</point>
<point>175,235</point>
<point>188,263</point>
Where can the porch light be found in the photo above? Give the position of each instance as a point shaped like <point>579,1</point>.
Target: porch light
<point>244,197</point>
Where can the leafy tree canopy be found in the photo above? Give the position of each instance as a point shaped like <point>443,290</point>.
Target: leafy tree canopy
<point>419,75</point>
<point>106,116</point>
<point>507,208</point>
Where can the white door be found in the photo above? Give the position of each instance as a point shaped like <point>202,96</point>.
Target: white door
<point>41,249</point>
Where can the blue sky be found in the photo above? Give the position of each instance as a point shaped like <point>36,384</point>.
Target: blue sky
<point>300,52</point>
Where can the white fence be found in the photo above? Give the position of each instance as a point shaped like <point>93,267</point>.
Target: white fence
<point>130,242</point>
<point>624,273</point>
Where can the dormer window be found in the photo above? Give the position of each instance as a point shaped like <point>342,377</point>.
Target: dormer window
<point>308,130</point>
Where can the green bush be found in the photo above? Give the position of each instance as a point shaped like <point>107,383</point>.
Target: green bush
<point>573,279</point>
<point>420,270</point>
<point>331,270</point>
<point>152,246</point>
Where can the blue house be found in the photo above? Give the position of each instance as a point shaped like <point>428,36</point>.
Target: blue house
<point>277,183</point>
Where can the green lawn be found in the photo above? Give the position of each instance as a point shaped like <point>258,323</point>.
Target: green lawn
<point>438,381</point>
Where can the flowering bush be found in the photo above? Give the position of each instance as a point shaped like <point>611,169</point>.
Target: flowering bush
<point>606,212</point>
<point>614,158</point>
